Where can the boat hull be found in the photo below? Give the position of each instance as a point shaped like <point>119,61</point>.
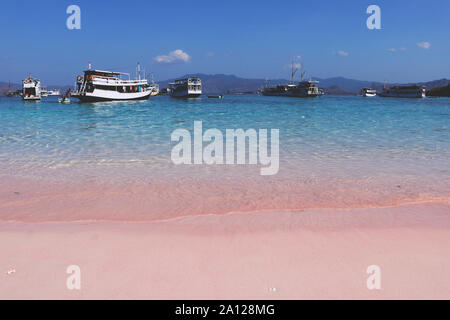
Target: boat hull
<point>31,98</point>
<point>393,95</point>
<point>290,95</point>
<point>186,95</point>
<point>102,99</point>
<point>99,96</point>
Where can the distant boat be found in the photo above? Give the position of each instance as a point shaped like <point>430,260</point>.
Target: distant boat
<point>368,92</point>
<point>413,91</point>
<point>220,96</point>
<point>302,89</point>
<point>98,85</point>
<point>53,92</point>
<point>186,88</point>
<point>9,94</point>
<point>65,98</point>
<point>31,89</point>
<point>154,87</point>
<point>44,92</point>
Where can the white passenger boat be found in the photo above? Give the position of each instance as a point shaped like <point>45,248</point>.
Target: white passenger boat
<point>186,88</point>
<point>99,85</point>
<point>44,92</point>
<point>31,89</point>
<point>368,92</point>
<point>54,92</point>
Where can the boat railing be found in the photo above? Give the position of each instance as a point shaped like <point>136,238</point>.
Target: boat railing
<point>118,81</point>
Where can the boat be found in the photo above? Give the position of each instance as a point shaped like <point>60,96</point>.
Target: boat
<point>31,89</point>
<point>412,91</point>
<point>99,85</point>
<point>368,92</point>
<point>154,87</point>
<point>44,92</point>
<point>301,89</point>
<point>186,88</point>
<point>53,92</point>
<point>219,96</point>
<point>65,98</point>
<point>10,93</point>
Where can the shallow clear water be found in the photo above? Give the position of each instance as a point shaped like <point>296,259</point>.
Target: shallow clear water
<point>334,137</point>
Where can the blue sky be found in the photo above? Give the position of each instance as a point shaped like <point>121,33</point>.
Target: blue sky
<point>253,39</point>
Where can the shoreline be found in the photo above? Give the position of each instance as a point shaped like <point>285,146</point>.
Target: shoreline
<point>312,254</point>
<point>156,199</point>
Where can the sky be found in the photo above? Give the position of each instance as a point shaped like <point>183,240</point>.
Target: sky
<point>247,38</point>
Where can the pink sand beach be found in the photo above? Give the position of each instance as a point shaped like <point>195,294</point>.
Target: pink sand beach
<point>216,248</point>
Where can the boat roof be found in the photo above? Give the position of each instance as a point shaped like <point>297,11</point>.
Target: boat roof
<point>103,72</point>
<point>190,78</point>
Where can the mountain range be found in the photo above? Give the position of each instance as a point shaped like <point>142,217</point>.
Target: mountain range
<point>221,83</point>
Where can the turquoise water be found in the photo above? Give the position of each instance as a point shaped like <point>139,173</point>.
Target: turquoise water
<point>331,136</point>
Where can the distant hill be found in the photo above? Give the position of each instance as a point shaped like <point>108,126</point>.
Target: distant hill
<point>435,84</point>
<point>337,90</point>
<point>443,91</point>
<point>222,83</point>
<point>349,86</point>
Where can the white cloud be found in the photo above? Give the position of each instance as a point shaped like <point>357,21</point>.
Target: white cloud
<point>176,56</point>
<point>424,45</point>
<point>397,49</point>
<point>342,53</point>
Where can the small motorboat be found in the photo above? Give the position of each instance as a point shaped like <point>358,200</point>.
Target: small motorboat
<point>65,98</point>
<point>220,96</point>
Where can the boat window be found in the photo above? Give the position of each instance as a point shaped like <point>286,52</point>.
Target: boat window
<point>30,91</point>
<point>108,88</point>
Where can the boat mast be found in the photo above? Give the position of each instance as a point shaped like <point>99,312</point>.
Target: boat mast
<point>293,71</point>
<point>138,71</point>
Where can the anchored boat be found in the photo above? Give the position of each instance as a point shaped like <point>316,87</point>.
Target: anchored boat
<point>368,92</point>
<point>186,88</point>
<point>413,91</point>
<point>44,92</point>
<point>9,94</point>
<point>302,89</point>
<point>99,85</point>
<point>31,89</point>
<point>53,92</point>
